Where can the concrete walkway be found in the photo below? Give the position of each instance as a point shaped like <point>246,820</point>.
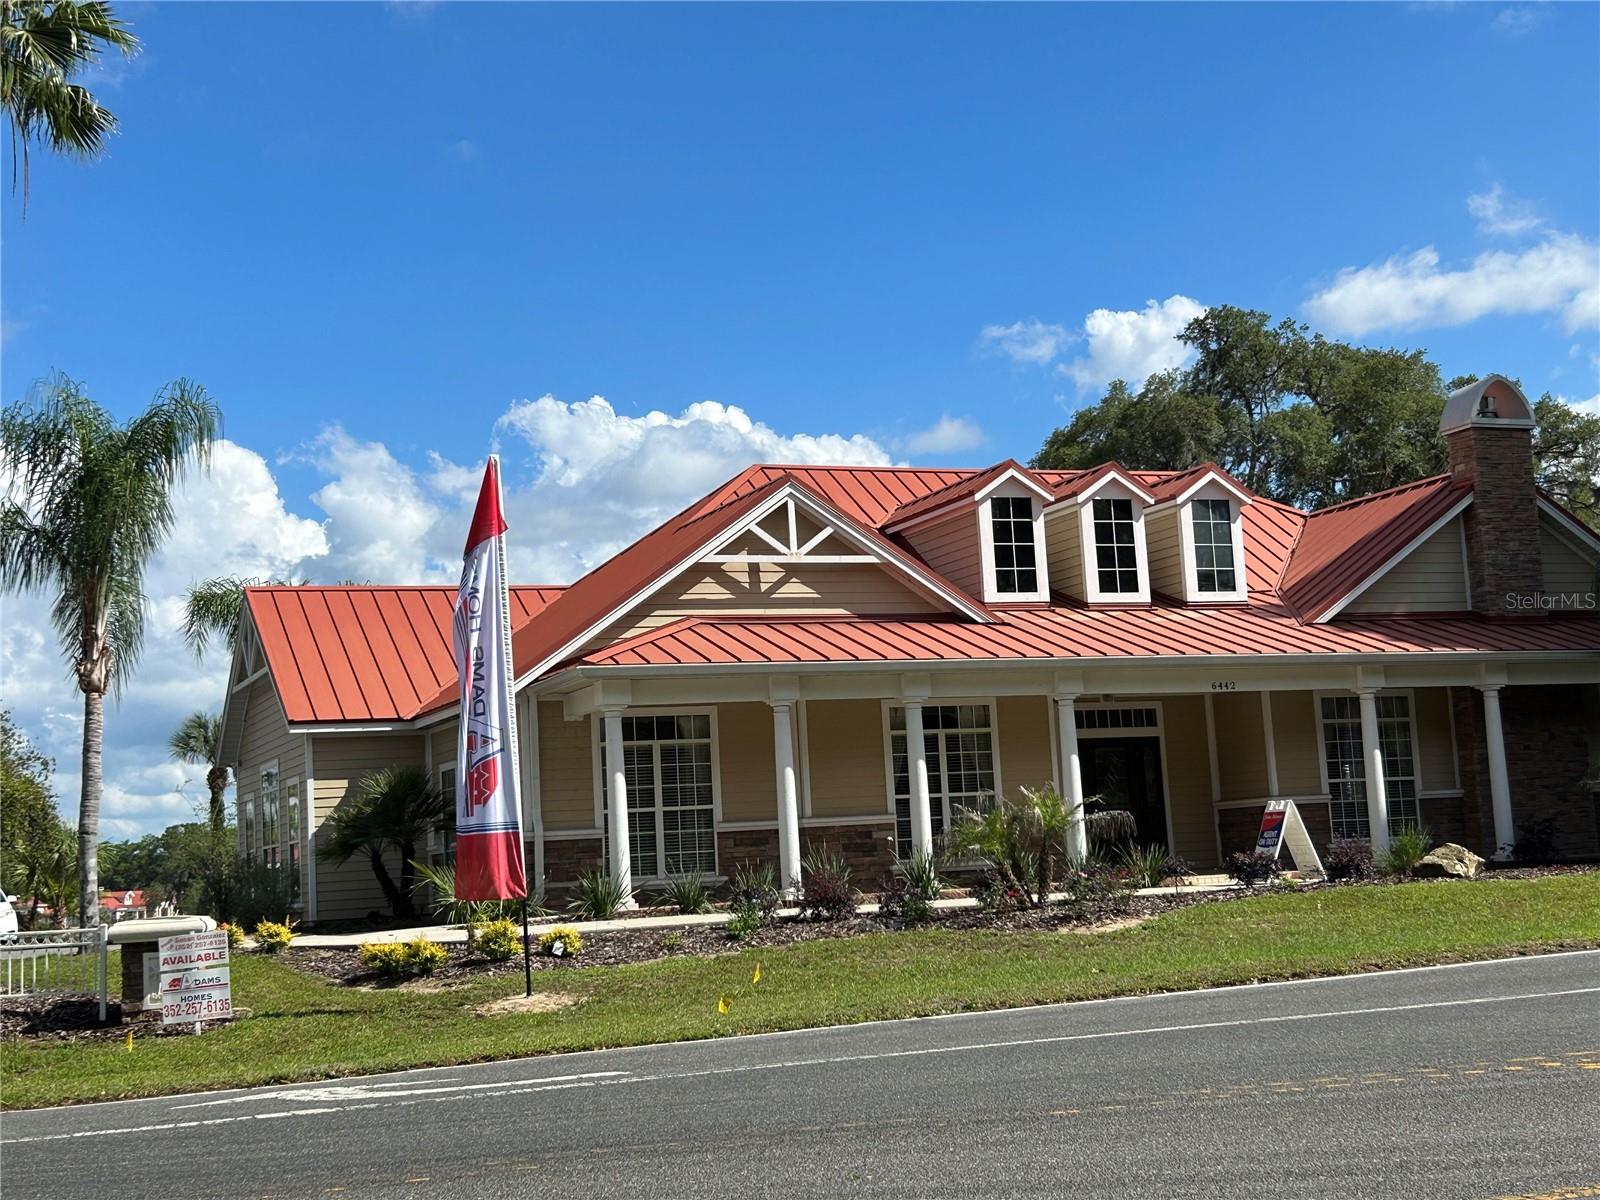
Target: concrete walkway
<point>452,934</point>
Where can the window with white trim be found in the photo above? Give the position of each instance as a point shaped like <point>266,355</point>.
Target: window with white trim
<point>291,798</point>
<point>958,740</point>
<point>1214,566</point>
<point>442,838</point>
<point>1116,554</point>
<point>247,824</point>
<point>1016,564</point>
<point>666,763</point>
<point>269,815</point>
<point>1346,763</point>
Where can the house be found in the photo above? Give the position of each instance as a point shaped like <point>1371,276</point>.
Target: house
<point>848,657</point>
<point>124,906</point>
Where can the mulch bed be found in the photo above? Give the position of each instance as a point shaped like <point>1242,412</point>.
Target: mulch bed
<point>76,1018</point>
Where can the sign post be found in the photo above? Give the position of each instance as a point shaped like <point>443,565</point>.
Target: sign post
<point>1281,826</point>
<point>195,981</point>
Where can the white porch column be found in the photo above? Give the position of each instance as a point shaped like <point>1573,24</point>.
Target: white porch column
<point>788,798</point>
<point>1072,768</point>
<point>917,760</point>
<point>1377,792</point>
<point>617,804</point>
<point>1505,834</point>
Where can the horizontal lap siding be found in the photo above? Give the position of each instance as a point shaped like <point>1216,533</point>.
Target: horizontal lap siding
<point>1565,570</point>
<point>1432,578</point>
<point>1241,746</point>
<point>1161,531</point>
<point>444,743</point>
<point>341,762</point>
<point>1189,779</point>
<point>566,770</point>
<point>267,739</point>
<point>1025,759</point>
<point>846,751</point>
<point>1298,744</point>
<point>1064,550</point>
<point>748,769</point>
<point>1436,752</point>
<point>952,548</point>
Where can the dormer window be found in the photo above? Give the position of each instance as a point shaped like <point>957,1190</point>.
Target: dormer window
<point>1214,565</point>
<point>1016,562</point>
<point>1116,551</point>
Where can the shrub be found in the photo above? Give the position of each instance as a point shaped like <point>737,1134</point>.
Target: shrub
<point>747,919</point>
<point>1146,865</point>
<point>254,892</point>
<point>272,936</point>
<point>498,940</point>
<point>1020,841</point>
<point>1100,889</point>
<point>755,887</point>
<point>825,891</point>
<point>672,940</point>
<point>437,885</point>
<point>401,960</point>
<point>1536,841</point>
<point>908,892</point>
<point>1249,868</point>
<point>1348,858</point>
<point>997,895</point>
<point>599,896</point>
<point>1406,849</point>
<point>235,934</point>
<point>921,873</point>
<point>561,942</point>
<point>686,893</point>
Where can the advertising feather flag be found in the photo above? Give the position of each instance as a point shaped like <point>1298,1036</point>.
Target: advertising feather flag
<point>489,864</point>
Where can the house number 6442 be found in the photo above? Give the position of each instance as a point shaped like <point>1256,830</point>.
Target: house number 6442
<point>1223,685</point>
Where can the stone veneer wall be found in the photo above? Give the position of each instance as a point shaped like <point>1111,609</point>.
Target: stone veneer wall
<point>1502,522</point>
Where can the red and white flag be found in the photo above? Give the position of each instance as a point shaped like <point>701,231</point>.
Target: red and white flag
<point>489,862</point>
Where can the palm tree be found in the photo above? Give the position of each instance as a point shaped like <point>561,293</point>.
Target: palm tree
<point>91,502</point>
<point>198,741</point>
<point>43,45</point>
<point>393,809</point>
<point>214,606</point>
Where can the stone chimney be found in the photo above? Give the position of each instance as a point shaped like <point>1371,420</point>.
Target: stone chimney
<point>1488,427</point>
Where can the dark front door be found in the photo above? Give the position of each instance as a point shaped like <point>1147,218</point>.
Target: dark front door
<point>1126,773</point>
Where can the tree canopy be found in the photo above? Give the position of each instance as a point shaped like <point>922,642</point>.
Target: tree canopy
<point>1303,418</point>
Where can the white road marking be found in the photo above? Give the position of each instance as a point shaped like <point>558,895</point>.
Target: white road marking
<point>517,1087</point>
<point>380,1091</point>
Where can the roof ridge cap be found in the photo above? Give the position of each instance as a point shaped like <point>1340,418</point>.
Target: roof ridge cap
<point>1379,495</point>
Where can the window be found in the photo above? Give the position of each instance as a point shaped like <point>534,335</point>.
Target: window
<point>1213,545</point>
<point>291,794</point>
<point>247,824</point>
<point>1016,568</point>
<point>959,742</point>
<point>1116,554</point>
<point>442,839</point>
<point>666,761</point>
<point>269,815</point>
<point>1115,718</point>
<point>1347,766</point>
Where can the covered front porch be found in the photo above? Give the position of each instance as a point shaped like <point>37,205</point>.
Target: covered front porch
<point>722,766</point>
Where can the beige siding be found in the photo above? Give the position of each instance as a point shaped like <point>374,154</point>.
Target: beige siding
<point>566,770</point>
<point>1565,569</point>
<point>1241,746</point>
<point>847,768</point>
<point>341,762</point>
<point>1188,766</point>
<point>1063,550</point>
<point>443,742</point>
<point>1025,759</point>
<point>1298,744</point>
<point>952,548</point>
<point>1162,531</point>
<point>746,762</point>
<point>266,739</point>
<point>1436,757</point>
<point>712,588</point>
<point>1432,578</point>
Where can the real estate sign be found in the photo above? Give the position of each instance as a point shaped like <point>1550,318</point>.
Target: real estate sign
<point>1281,826</point>
<point>195,984</point>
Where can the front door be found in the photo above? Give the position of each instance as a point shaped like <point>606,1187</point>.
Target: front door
<point>1125,772</point>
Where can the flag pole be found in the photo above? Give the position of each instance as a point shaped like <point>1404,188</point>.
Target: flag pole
<point>527,953</point>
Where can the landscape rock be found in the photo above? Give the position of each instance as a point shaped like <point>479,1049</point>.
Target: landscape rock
<point>1448,860</point>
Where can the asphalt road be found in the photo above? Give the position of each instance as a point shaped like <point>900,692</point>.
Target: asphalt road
<point>1473,1081</point>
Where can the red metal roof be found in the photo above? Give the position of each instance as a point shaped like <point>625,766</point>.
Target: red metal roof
<point>1342,545</point>
<point>353,653</point>
<point>1083,634</point>
<point>959,490</point>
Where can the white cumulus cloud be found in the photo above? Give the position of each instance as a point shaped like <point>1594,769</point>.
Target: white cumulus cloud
<point>1031,341</point>
<point>947,435</point>
<point>1133,344</point>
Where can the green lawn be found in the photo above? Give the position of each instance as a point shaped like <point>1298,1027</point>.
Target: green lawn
<point>302,1028</point>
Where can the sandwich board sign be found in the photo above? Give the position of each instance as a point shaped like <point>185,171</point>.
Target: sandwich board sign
<point>1281,826</point>
<point>195,984</point>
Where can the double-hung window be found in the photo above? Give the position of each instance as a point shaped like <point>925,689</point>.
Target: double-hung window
<point>1116,554</point>
<point>442,839</point>
<point>247,825</point>
<point>291,795</point>
<point>1346,764</point>
<point>666,762</point>
<point>959,742</point>
<point>1214,567</point>
<point>1016,567</point>
<point>269,815</point>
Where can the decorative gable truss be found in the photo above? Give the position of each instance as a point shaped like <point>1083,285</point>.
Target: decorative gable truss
<point>790,534</point>
<point>249,666</point>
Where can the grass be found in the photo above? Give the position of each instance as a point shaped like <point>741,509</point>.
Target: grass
<point>303,1028</point>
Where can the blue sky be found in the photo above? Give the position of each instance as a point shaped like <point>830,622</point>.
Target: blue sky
<point>381,233</point>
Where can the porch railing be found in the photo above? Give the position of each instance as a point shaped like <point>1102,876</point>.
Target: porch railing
<point>56,962</point>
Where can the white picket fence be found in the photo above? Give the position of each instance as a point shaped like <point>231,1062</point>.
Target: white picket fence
<point>56,961</point>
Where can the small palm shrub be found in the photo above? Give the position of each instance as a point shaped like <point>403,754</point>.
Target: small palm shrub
<point>599,896</point>
<point>755,887</point>
<point>1020,841</point>
<point>825,891</point>
<point>686,893</point>
<point>1146,865</point>
<point>272,936</point>
<point>1406,850</point>
<point>1348,858</point>
<point>498,940</point>
<point>437,884</point>
<point>1250,869</point>
<point>561,942</point>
